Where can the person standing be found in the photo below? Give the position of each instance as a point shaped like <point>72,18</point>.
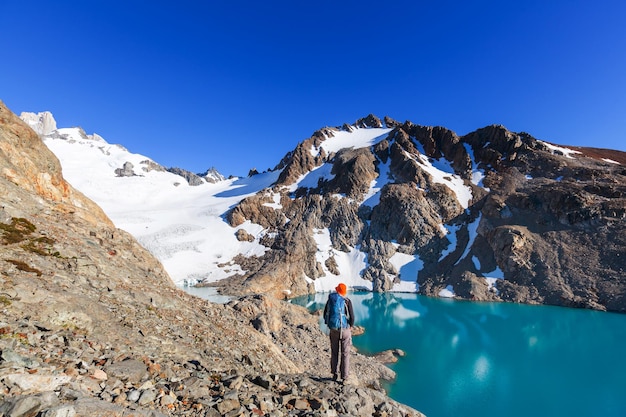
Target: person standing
<point>339,317</point>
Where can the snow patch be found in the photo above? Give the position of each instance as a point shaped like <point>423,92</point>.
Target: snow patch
<point>491,284</point>
<point>496,273</point>
<point>312,178</point>
<point>472,229</point>
<point>478,175</point>
<point>357,138</point>
<point>408,267</point>
<point>442,173</point>
<point>559,150</point>
<point>372,198</point>
<point>447,292</point>
<point>492,277</point>
<point>476,262</point>
<point>451,231</point>
<point>276,204</point>
<point>350,265</point>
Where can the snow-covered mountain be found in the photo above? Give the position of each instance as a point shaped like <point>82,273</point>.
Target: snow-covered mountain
<point>381,206</point>
<point>180,224</point>
<point>183,225</point>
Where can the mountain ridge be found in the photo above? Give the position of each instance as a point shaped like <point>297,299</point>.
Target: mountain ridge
<point>509,162</point>
<point>398,206</point>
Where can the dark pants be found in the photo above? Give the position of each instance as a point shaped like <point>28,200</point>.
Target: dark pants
<point>340,341</point>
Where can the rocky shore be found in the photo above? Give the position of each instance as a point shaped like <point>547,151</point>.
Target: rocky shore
<point>60,372</point>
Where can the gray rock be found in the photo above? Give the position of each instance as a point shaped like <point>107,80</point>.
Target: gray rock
<point>35,382</point>
<point>8,355</point>
<point>128,370</point>
<point>126,170</point>
<point>192,179</point>
<point>60,411</point>
<point>27,405</point>
<point>148,396</point>
<point>133,396</point>
<point>228,405</point>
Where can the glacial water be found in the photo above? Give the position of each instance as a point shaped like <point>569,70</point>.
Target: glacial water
<point>495,359</point>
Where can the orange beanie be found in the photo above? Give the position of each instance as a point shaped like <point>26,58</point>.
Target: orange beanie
<point>341,289</point>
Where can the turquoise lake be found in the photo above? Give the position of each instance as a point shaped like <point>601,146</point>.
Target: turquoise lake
<point>495,359</point>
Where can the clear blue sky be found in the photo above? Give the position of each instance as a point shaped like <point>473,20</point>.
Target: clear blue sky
<point>237,84</point>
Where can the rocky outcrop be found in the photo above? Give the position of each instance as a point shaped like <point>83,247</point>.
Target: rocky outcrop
<point>369,121</point>
<point>42,123</point>
<point>353,171</point>
<point>149,165</point>
<point>92,325</point>
<point>301,161</point>
<point>127,170</point>
<point>190,177</point>
<point>28,165</point>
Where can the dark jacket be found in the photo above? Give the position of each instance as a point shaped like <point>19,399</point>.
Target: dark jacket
<point>349,311</point>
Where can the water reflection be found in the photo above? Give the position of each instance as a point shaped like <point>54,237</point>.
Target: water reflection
<point>495,359</point>
<point>208,293</point>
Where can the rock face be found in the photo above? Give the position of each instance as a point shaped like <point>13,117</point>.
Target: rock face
<point>126,170</point>
<point>42,123</point>
<point>548,222</point>
<point>92,325</point>
<point>191,178</point>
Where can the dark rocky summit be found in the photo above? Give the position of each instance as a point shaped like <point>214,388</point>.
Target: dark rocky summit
<point>91,325</point>
<point>551,218</point>
<point>212,176</point>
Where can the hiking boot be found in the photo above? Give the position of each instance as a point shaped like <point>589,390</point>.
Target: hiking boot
<point>351,380</point>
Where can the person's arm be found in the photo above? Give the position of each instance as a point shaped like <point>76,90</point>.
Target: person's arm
<point>326,314</point>
<point>350,312</point>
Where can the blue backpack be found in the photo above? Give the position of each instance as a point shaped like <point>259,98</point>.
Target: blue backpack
<point>335,317</point>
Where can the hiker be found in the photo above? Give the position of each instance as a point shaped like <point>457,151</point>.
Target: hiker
<point>339,318</point>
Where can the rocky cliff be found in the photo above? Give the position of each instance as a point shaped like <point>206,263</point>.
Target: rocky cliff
<point>491,215</point>
<point>92,325</point>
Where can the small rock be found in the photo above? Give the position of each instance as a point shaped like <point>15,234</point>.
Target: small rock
<point>148,396</point>
<point>234,382</point>
<point>133,396</point>
<point>34,382</point>
<point>99,374</point>
<point>300,404</point>
<point>27,405</point>
<point>9,355</point>
<point>129,370</point>
<point>262,381</point>
<point>60,411</point>
<point>228,405</point>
